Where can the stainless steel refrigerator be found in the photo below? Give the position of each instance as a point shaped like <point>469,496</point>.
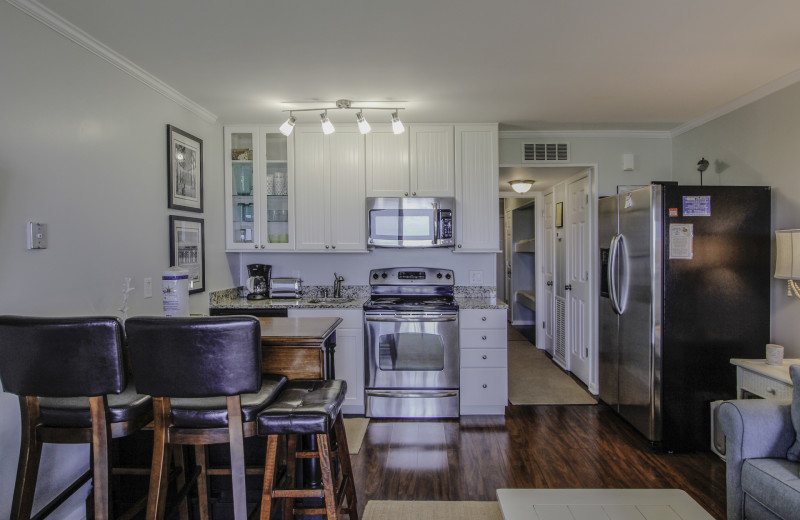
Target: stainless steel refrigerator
<point>684,287</point>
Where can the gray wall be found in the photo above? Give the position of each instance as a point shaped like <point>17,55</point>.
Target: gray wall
<point>83,148</point>
<point>755,145</point>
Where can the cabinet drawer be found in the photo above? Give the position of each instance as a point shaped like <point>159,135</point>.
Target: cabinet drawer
<point>484,319</point>
<point>483,338</point>
<point>484,386</point>
<point>484,357</point>
<point>764,386</point>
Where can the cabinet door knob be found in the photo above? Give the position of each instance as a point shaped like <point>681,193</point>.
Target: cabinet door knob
<point>333,247</point>
<point>406,194</point>
<point>414,193</point>
<point>483,318</point>
<point>327,247</point>
<point>255,245</point>
<point>483,356</point>
<point>772,391</point>
<point>262,246</point>
<point>459,245</point>
<point>483,338</point>
<point>484,385</point>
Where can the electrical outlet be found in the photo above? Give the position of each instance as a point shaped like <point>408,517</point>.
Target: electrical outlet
<point>37,235</point>
<point>148,287</point>
<point>476,277</point>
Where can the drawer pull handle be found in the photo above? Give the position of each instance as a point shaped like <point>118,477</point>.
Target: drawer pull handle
<point>483,338</point>
<point>484,385</point>
<point>771,391</point>
<point>484,356</point>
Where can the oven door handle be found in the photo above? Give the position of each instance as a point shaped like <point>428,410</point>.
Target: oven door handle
<point>411,319</point>
<point>410,394</point>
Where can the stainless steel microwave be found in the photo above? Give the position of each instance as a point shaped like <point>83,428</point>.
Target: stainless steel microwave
<point>410,222</point>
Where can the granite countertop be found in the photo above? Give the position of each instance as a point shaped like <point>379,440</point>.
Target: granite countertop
<point>353,298</point>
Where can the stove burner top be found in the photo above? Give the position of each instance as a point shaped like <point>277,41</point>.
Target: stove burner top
<point>411,303</point>
<point>417,289</point>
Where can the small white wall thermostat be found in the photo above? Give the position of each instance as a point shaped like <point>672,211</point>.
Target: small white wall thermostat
<point>627,162</point>
<point>37,235</point>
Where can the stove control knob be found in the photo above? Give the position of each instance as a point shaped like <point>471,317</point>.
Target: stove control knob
<point>384,276</point>
<point>375,276</point>
<point>448,276</point>
<point>438,275</point>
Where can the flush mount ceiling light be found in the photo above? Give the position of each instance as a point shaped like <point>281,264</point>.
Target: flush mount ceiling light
<point>345,104</point>
<point>521,186</point>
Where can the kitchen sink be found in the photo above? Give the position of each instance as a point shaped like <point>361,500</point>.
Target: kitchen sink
<point>331,300</point>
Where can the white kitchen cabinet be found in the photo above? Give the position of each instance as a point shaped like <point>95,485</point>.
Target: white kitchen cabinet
<point>330,213</point>
<point>349,352</point>
<point>477,191</point>
<point>259,182</point>
<point>387,163</point>
<point>484,361</point>
<point>432,171</point>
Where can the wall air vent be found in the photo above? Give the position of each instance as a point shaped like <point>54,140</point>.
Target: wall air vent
<point>545,152</point>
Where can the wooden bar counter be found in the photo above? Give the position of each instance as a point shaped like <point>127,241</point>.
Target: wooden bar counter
<point>299,348</point>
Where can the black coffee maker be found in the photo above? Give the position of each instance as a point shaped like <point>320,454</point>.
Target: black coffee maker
<point>258,281</point>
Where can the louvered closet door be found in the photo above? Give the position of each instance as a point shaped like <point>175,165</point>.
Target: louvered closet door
<point>548,273</point>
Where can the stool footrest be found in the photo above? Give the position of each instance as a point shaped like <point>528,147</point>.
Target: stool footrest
<point>298,493</point>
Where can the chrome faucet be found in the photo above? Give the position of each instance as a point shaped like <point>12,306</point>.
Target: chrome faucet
<point>337,285</point>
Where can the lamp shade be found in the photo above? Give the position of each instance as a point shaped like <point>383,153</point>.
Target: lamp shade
<point>787,264</point>
<point>521,186</point>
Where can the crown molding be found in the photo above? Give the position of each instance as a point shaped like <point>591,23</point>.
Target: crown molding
<point>750,97</point>
<point>565,134</point>
<point>41,13</point>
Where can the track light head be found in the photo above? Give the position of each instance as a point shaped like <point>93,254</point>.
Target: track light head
<point>397,125</point>
<point>327,126</point>
<point>363,125</point>
<point>288,125</point>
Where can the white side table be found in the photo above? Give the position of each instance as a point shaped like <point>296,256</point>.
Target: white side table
<point>756,377</point>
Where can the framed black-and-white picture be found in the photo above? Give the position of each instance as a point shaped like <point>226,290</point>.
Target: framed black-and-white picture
<point>185,170</point>
<point>559,214</point>
<point>187,249</point>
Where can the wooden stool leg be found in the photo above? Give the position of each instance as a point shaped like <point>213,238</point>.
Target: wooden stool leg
<point>329,490</point>
<point>180,480</point>
<point>237,457</point>
<point>346,468</point>
<point>157,495</point>
<point>30,452</point>
<point>291,474</point>
<point>270,470</point>
<point>101,457</point>
<point>200,457</point>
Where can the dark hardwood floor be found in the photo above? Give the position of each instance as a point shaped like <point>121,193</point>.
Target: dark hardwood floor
<point>576,446</point>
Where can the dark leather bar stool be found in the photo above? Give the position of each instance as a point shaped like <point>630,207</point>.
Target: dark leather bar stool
<point>308,407</point>
<point>205,378</point>
<point>72,387</point>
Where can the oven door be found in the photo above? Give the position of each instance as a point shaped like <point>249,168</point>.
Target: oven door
<point>411,350</point>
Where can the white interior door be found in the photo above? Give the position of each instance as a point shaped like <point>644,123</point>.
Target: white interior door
<point>578,277</point>
<point>548,271</point>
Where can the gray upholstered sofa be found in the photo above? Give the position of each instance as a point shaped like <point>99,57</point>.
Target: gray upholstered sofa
<point>762,482</point>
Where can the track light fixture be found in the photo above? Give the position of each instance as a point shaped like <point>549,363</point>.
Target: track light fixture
<point>344,104</point>
<point>327,126</point>
<point>288,125</point>
<point>363,125</point>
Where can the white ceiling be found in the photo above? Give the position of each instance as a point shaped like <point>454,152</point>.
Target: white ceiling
<point>527,64</point>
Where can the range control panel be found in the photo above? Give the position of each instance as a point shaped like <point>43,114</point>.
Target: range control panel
<point>411,276</point>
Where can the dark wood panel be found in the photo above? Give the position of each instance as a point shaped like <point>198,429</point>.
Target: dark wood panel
<point>531,447</point>
<point>293,362</point>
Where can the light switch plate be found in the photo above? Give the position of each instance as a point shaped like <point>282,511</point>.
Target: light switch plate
<point>476,277</point>
<point>37,235</point>
<point>148,287</point>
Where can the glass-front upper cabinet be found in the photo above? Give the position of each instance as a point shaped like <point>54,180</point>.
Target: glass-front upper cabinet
<point>259,186</point>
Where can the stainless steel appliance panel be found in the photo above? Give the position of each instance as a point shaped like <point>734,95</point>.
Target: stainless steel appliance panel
<point>418,403</point>
<point>608,225</point>
<point>411,350</point>
<point>636,278</point>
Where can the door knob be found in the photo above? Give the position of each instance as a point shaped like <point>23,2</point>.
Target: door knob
<point>550,283</point>
<point>568,287</point>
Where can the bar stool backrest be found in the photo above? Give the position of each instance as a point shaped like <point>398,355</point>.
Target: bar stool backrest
<point>61,357</point>
<point>195,357</point>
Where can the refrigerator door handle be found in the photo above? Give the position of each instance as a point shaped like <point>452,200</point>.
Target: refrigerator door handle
<point>612,281</point>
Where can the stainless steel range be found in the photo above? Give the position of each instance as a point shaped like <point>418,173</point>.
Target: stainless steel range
<point>411,343</point>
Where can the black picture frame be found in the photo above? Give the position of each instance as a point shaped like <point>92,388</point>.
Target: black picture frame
<point>559,214</point>
<point>184,170</point>
<point>187,249</point>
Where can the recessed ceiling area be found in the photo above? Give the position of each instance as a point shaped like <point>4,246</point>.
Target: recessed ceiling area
<point>526,64</point>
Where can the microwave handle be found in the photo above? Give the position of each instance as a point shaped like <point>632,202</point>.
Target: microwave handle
<point>436,218</point>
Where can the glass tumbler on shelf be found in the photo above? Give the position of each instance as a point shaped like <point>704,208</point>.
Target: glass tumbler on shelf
<point>243,178</point>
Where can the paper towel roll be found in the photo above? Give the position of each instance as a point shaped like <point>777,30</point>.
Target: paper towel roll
<point>175,286</point>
